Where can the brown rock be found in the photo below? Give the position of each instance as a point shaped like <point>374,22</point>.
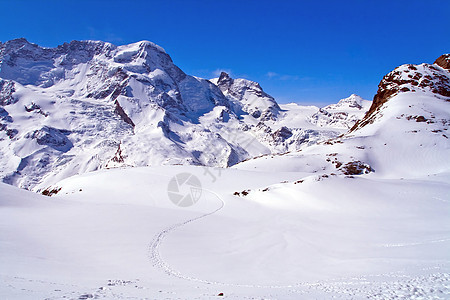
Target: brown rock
<point>394,82</point>
<point>443,61</point>
<point>119,110</point>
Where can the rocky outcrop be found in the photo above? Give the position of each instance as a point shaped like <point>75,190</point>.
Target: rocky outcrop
<point>6,92</point>
<point>225,81</point>
<point>409,78</point>
<point>356,168</point>
<point>5,120</point>
<point>248,96</point>
<point>282,134</point>
<point>4,115</point>
<point>119,110</point>
<point>443,61</point>
<point>52,137</point>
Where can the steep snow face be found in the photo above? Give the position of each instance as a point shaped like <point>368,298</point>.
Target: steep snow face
<point>70,109</point>
<point>87,105</point>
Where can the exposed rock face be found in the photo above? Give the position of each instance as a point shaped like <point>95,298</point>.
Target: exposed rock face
<point>6,92</point>
<point>5,120</point>
<point>49,136</point>
<point>282,134</point>
<point>443,61</point>
<point>122,114</point>
<point>225,81</point>
<point>356,168</point>
<point>4,115</point>
<point>248,96</point>
<point>410,78</point>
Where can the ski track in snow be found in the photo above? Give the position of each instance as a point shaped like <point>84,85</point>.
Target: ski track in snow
<point>435,285</point>
<point>154,253</point>
<point>155,257</point>
<point>415,243</point>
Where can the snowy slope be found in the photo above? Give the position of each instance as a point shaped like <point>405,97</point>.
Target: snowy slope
<point>115,234</point>
<point>403,135</point>
<point>88,105</point>
<point>361,215</point>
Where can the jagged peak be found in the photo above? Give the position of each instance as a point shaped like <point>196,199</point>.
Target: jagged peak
<point>21,40</point>
<point>17,43</point>
<point>225,80</point>
<point>443,61</point>
<point>76,45</point>
<point>224,75</point>
<point>140,44</point>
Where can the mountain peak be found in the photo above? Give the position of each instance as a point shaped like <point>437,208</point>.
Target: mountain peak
<point>353,98</point>
<point>224,80</point>
<point>15,44</point>
<point>21,40</point>
<point>145,44</point>
<point>424,78</point>
<point>224,75</point>
<point>443,61</point>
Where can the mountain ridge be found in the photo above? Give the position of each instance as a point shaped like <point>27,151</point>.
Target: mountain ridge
<point>88,105</point>
<point>74,108</point>
<point>404,134</point>
<point>410,78</point>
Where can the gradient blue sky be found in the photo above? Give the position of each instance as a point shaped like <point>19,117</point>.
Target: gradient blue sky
<point>302,51</point>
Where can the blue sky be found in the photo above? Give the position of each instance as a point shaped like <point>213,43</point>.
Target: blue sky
<point>312,52</point>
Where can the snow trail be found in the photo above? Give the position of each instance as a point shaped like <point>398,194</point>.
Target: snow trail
<point>353,284</point>
<point>154,253</point>
<point>155,257</point>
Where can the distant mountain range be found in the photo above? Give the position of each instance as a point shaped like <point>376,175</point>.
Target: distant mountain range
<point>88,105</point>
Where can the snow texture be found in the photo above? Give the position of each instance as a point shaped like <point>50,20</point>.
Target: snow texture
<point>296,202</point>
<point>67,110</point>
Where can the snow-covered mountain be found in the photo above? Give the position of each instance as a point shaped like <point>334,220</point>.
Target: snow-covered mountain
<point>343,114</point>
<point>326,213</point>
<point>87,105</point>
<point>249,96</point>
<point>404,134</point>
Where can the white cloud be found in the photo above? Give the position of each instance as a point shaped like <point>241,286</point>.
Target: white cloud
<point>274,75</point>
